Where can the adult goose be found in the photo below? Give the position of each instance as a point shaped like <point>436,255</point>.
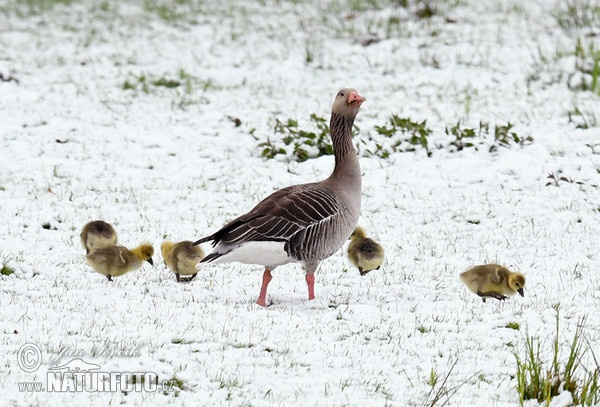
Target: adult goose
<point>303,223</point>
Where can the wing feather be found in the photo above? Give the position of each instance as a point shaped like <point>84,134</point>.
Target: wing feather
<point>302,216</point>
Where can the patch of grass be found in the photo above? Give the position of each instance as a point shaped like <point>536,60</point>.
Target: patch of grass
<point>583,118</point>
<point>176,382</point>
<point>543,379</point>
<point>182,84</point>
<point>425,9</point>
<point>175,385</point>
<point>146,83</point>
<point>441,392</point>
<point>587,67</point>
<point>505,137</point>
<point>35,7</point>
<point>174,11</point>
<point>464,137</point>
<point>557,180</point>
<point>6,270</point>
<point>416,133</point>
<point>312,44</point>
<point>575,14</point>
<point>577,64</point>
<point>433,378</point>
<point>401,134</point>
<point>303,144</point>
<point>513,325</point>
<point>181,341</point>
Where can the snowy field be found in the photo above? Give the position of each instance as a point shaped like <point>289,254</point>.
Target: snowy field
<point>126,111</point>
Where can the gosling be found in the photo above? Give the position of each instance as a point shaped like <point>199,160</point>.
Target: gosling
<point>363,252</point>
<point>114,261</point>
<point>494,281</point>
<point>182,258</point>
<point>97,234</point>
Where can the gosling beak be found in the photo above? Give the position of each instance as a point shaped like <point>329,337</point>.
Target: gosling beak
<point>520,291</point>
<point>364,272</point>
<point>150,261</point>
<point>355,99</point>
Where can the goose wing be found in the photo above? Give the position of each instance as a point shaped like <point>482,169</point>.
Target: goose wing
<point>302,216</point>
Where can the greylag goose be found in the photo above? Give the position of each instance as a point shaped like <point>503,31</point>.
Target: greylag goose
<point>365,253</point>
<point>303,223</point>
<point>114,261</point>
<point>97,234</point>
<point>181,258</point>
<point>493,280</point>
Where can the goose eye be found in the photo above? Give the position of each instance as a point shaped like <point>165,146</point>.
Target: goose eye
<point>342,94</point>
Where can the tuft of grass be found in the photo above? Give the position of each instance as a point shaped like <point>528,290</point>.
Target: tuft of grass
<point>504,136</point>
<point>543,380</point>
<point>416,133</point>
<point>36,7</point>
<point>175,385</point>
<point>465,137</point>
<point>556,180</point>
<point>583,118</point>
<point>433,378</point>
<point>146,83</point>
<point>183,84</point>
<point>425,10</point>
<point>576,14</point>
<point>6,270</point>
<point>441,392</point>
<point>181,341</point>
<point>174,12</point>
<point>176,382</point>
<point>587,66</point>
<point>513,325</point>
<point>312,44</point>
<point>303,144</point>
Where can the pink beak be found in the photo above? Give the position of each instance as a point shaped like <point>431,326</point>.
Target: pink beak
<point>355,98</point>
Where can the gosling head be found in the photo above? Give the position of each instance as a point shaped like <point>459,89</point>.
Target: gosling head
<point>359,233</point>
<point>516,281</point>
<point>145,251</point>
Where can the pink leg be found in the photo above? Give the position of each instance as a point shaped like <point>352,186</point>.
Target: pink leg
<point>310,281</point>
<point>262,298</point>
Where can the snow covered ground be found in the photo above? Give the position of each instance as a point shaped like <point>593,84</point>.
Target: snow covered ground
<point>90,128</point>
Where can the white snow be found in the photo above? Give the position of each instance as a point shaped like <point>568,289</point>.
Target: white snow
<point>169,164</point>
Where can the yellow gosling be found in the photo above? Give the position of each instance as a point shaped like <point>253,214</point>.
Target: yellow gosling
<point>114,261</point>
<point>363,252</point>
<point>97,234</point>
<point>493,280</point>
<point>181,258</point>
